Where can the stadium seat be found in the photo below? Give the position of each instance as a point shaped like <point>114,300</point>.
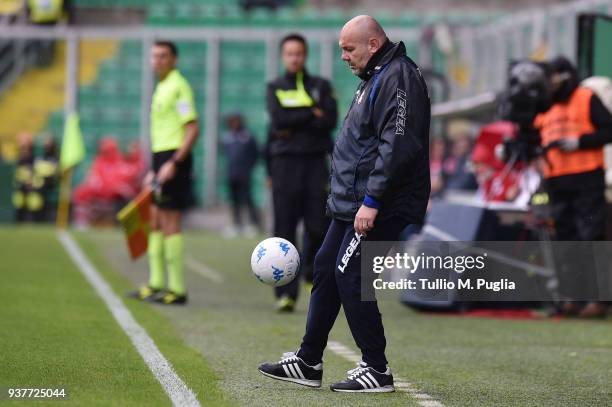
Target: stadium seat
<point>111,105</point>
<point>286,17</point>
<point>161,14</point>
<point>408,20</point>
<point>184,13</point>
<point>261,18</point>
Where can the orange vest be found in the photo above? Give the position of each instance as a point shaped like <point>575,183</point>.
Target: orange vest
<point>571,120</point>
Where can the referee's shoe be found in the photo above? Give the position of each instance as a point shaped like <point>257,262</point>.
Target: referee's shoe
<point>365,379</point>
<point>293,369</point>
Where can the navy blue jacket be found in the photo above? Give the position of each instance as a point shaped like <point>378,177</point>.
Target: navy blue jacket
<point>241,152</point>
<point>381,155</point>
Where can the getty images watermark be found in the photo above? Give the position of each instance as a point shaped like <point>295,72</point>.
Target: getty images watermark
<point>422,262</point>
<point>485,271</point>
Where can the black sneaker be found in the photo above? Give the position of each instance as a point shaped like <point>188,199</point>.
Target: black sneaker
<point>293,369</point>
<point>169,298</point>
<point>365,379</point>
<point>144,293</point>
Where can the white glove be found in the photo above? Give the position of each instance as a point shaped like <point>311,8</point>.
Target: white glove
<point>569,144</point>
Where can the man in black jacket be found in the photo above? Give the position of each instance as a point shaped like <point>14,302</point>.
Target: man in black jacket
<point>241,155</point>
<point>379,187</point>
<point>580,124</point>
<point>303,114</point>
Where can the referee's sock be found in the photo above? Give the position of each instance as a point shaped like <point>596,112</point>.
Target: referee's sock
<point>173,250</point>
<point>155,252</point>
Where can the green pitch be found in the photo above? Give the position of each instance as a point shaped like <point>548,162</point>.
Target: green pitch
<point>55,332</point>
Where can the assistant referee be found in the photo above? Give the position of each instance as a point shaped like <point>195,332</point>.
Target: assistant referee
<point>174,130</point>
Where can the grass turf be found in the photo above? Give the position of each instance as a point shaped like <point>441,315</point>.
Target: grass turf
<point>56,332</point>
<point>459,361</point>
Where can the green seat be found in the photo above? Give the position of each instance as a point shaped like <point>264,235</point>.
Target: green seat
<point>221,2</point>
<point>310,18</point>
<point>333,18</point>
<point>184,14</point>
<point>130,49</point>
<point>192,48</point>
<point>191,60</point>
<point>232,15</point>
<point>261,18</point>
<point>409,20</point>
<point>89,113</point>
<point>122,76</point>
<point>286,17</point>
<point>207,14</point>
<point>159,13</point>
<point>412,49</point>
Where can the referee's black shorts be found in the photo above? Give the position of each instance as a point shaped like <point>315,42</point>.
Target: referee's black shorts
<point>176,193</point>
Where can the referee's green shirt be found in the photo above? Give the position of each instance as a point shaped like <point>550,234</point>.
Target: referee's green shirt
<point>171,108</point>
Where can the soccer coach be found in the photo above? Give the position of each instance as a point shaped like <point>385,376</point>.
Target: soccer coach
<point>379,186</point>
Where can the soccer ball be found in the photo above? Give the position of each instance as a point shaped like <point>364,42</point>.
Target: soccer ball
<point>275,261</point>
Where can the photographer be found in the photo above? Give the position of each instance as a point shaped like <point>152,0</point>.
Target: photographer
<point>578,125</point>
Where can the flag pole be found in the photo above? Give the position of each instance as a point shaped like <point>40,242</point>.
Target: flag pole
<point>63,206</point>
<point>72,153</point>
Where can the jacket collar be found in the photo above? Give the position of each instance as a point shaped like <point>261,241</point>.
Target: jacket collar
<point>292,76</point>
<point>382,57</point>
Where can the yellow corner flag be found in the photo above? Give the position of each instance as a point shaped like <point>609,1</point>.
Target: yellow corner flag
<point>72,153</point>
<point>73,148</point>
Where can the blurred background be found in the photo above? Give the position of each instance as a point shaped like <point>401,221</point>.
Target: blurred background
<point>92,58</point>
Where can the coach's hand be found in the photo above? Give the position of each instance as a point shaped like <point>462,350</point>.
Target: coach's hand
<point>148,179</point>
<point>166,172</point>
<point>364,220</point>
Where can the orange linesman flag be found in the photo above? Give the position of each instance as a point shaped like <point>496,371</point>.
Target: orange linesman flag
<point>134,219</point>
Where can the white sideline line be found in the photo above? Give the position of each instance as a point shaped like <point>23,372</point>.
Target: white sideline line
<point>422,399</point>
<point>203,270</point>
<point>176,389</point>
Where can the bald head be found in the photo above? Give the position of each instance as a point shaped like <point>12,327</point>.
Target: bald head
<point>365,26</point>
<point>360,38</point>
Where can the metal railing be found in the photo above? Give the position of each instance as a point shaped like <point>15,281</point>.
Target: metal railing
<point>544,33</point>
<point>15,55</point>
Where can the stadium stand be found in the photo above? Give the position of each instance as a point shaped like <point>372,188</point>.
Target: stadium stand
<point>111,104</point>
<point>19,112</point>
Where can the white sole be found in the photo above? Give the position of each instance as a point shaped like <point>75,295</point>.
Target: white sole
<point>384,389</point>
<point>303,382</point>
